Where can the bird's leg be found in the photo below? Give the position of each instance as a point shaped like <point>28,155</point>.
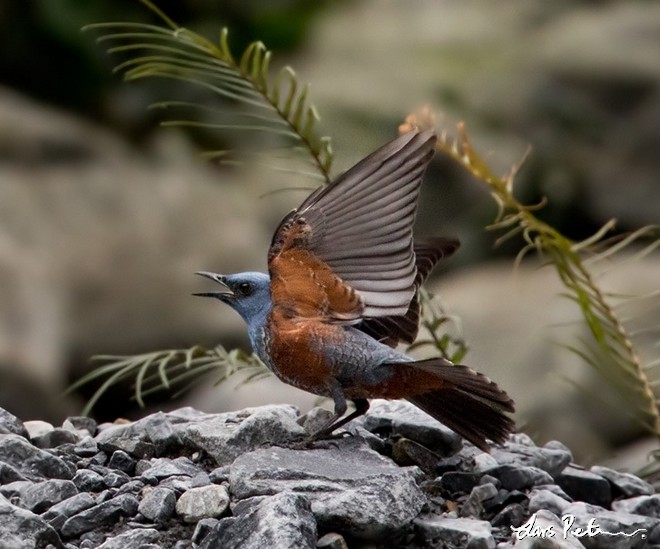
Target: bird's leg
<point>337,421</point>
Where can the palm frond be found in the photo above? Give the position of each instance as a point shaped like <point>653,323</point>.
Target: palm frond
<point>276,104</point>
<point>610,349</point>
<point>161,370</point>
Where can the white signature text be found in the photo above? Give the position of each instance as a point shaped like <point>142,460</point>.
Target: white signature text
<point>533,530</point>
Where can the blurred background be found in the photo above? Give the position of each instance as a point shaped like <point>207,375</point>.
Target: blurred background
<point>105,215</point>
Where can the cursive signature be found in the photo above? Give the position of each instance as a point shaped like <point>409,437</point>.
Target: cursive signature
<point>533,530</point>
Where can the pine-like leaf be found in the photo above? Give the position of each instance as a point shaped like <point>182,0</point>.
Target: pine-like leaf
<point>249,99</point>
<point>610,351</point>
<point>163,370</point>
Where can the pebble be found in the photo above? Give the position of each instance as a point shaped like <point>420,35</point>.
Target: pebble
<point>41,496</point>
<point>583,485</point>
<point>625,484</point>
<point>203,502</point>
<point>455,532</point>
<point>100,515</point>
<point>157,504</point>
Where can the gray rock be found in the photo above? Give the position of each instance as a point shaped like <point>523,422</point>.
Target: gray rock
<point>332,540</point>
<point>81,423</point>
<point>402,418</point>
<point>483,462</point>
<point>459,482</point>
<point>374,441</point>
<point>32,462</point>
<point>131,445</point>
<point>350,487</point>
<point>9,474</point>
<point>58,513</point>
<point>204,502</point>
<point>282,520</point>
<point>525,440</point>
<point>56,437</point>
<point>627,484</point>
<point>162,468</point>
<point>159,430</point>
<point>585,486</point>
<point>473,506</point>
<point>87,480</point>
<point>437,531</point>
<point>649,506</point>
<point>408,452</point>
<point>105,495</point>
<point>555,490</point>
<point>202,529</point>
<point>513,514</point>
<point>139,538</point>
<point>550,460</point>
<point>158,504</point>
<point>316,419</point>
<point>115,479</point>
<point>131,487</point>
<point>122,461</point>
<point>242,506</point>
<point>181,483</point>
<point>86,447</point>
<point>551,445</point>
<point>220,474</point>
<point>101,515</point>
<point>100,458</point>
<point>142,465</point>
<point>14,490</point>
<point>37,428</point>
<point>520,478</point>
<point>226,436</point>
<point>545,499</point>
<point>11,425</point>
<point>153,435</point>
<point>23,529</point>
<point>41,496</point>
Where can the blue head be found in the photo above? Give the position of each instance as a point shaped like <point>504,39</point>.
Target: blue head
<point>247,293</point>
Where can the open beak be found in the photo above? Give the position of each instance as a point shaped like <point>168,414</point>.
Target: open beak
<point>224,291</point>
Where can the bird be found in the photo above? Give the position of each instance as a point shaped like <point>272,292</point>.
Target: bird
<point>342,293</point>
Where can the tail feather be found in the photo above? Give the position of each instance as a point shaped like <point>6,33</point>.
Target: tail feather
<point>467,402</point>
<point>466,379</point>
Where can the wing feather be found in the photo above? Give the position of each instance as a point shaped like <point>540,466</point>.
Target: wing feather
<point>358,232</point>
<point>393,330</point>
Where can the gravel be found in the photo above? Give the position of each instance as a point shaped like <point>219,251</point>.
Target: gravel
<point>186,479</point>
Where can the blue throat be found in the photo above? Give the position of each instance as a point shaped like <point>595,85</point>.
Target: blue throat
<point>256,324</point>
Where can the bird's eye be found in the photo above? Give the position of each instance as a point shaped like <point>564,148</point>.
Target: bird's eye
<point>244,288</point>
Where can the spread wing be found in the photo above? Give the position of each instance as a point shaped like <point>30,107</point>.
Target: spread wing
<point>346,253</point>
<point>392,330</point>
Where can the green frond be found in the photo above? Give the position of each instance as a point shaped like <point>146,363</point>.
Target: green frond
<point>153,372</point>
<point>609,350</point>
<point>244,88</point>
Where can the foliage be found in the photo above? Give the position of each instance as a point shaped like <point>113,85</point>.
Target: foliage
<point>279,105</point>
<point>609,350</point>
<point>163,370</point>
